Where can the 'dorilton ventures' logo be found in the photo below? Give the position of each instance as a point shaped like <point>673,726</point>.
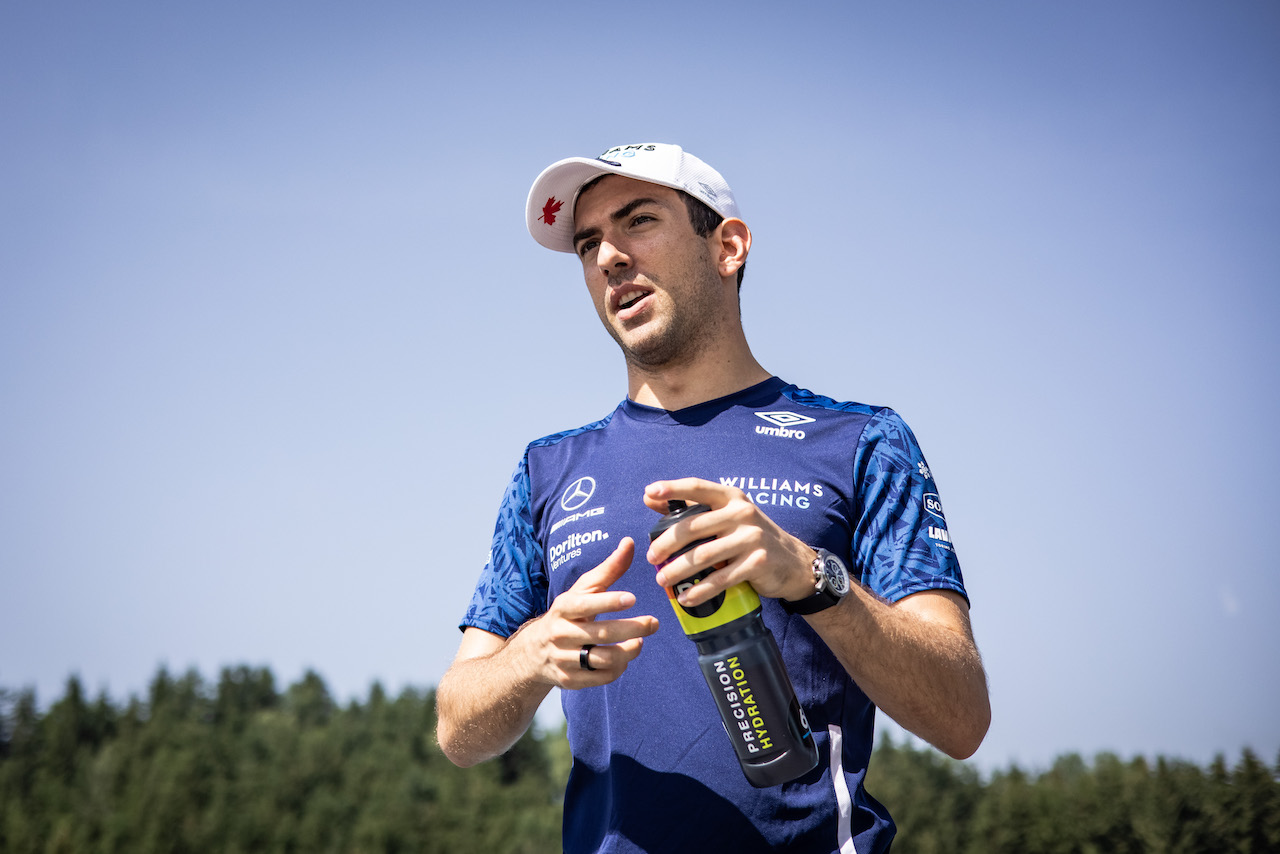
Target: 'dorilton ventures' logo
<point>783,423</point>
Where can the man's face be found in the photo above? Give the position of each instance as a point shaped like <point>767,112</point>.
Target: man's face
<point>653,280</point>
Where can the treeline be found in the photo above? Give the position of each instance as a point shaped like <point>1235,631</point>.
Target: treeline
<point>240,766</point>
<point>1107,806</point>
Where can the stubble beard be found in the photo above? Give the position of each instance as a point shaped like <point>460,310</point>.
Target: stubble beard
<point>679,337</point>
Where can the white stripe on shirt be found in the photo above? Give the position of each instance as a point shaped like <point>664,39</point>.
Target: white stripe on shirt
<point>844,802</point>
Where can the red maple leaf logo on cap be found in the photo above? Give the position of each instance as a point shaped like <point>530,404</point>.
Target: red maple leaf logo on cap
<point>550,209</point>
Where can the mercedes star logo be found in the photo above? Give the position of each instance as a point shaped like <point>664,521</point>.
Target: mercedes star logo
<point>578,493</point>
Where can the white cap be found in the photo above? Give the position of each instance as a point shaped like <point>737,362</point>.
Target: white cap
<point>549,210</point>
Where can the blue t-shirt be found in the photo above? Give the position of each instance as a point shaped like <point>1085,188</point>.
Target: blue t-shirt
<point>653,768</point>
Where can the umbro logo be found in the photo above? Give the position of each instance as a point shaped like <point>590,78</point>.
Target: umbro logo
<point>784,424</point>
<point>785,419</point>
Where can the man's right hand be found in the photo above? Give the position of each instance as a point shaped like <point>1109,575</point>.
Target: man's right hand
<point>553,642</point>
<point>490,693</point>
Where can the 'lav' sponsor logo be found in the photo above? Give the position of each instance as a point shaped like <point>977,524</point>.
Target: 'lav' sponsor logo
<point>938,533</point>
<point>783,423</point>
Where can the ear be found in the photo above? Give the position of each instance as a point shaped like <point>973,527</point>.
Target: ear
<point>734,240</point>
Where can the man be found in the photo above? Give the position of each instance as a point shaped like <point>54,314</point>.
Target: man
<point>563,603</point>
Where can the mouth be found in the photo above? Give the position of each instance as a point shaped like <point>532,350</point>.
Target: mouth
<point>628,297</point>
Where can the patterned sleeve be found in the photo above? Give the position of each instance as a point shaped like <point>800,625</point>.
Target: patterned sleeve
<point>901,543</point>
<point>513,585</point>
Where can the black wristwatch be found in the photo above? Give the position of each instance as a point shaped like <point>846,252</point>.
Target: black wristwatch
<point>831,580</point>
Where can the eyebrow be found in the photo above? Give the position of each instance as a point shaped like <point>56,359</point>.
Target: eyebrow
<point>621,213</point>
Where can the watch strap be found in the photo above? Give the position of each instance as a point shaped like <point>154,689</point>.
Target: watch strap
<point>820,600</point>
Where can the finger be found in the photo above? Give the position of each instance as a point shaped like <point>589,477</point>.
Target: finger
<point>603,576</point>
<point>615,656</point>
<point>730,511</point>
<point>590,595</point>
<point>586,607</point>
<point>703,558</point>
<point>694,490</point>
<point>733,558</point>
<point>587,667</point>
<point>710,586</point>
<point>617,631</point>
<point>773,566</point>
<point>704,540</point>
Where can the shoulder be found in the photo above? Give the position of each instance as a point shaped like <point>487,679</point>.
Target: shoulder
<point>546,459</point>
<point>882,419</point>
<point>869,422</point>
<point>879,434</point>
<point>804,397</point>
<point>554,439</point>
<point>522,487</point>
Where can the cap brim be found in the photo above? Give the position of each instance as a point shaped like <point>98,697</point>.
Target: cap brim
<point>549,211</point>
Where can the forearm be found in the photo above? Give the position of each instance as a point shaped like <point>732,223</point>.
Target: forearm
<point>485,702</point>
<point>917,661</point>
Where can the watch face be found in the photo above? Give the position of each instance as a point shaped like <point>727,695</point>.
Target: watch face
<point>837,577</point>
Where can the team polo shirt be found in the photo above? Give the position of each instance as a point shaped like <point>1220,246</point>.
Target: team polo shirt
<point>653,768</point>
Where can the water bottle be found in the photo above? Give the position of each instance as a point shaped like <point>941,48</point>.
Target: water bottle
<point>743,667</point>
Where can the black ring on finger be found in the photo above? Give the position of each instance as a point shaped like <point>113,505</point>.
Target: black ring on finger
<point>584,657</point>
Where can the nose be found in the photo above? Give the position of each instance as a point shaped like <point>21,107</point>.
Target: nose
<point>610,258</point>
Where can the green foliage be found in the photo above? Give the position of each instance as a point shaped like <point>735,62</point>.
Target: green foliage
<point>1107,806</point>
<point>241,767</point>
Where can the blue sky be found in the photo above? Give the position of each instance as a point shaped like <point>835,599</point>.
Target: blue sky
<point>273,334</point>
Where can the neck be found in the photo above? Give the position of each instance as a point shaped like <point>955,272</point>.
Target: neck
<point>708,376</point>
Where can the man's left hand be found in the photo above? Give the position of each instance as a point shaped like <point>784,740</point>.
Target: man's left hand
<point>748,545</point>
